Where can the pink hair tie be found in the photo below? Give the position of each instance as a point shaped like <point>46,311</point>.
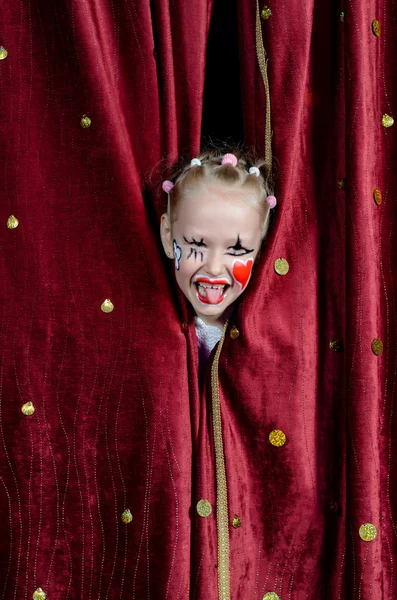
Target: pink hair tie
<point>229,159</point>
<point>167,186</point>
<point>272,201</point>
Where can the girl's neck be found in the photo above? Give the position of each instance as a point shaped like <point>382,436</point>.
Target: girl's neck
<point>218,321</point>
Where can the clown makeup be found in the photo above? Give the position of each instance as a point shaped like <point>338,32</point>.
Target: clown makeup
<point>242,270</point>
<point>216,237</point>
<point>177,255</point>
<point>193,250</point>
<point>239,249</point>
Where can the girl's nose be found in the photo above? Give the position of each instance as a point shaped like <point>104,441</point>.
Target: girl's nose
<point>215,265</point>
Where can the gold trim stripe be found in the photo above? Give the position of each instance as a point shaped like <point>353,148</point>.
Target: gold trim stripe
<point>261,56</point>
<point>222,513</point>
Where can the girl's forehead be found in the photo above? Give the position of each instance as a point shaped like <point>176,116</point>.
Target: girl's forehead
<point>218,226</point>
<point>217,202</point>
<point>213,191</point>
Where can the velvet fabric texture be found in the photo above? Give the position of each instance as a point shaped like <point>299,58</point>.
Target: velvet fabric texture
<point>120,421</point>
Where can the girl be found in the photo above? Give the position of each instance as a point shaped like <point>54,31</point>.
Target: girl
<point>217,218</point>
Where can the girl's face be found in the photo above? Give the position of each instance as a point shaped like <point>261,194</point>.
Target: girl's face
<point>214,242</point>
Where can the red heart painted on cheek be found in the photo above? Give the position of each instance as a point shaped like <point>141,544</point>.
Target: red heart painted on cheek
<point>242,271</point>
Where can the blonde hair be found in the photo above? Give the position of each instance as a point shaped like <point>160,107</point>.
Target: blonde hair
<point>237,177</point>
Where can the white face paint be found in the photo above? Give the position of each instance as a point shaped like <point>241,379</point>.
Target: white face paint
<point>177,255</point>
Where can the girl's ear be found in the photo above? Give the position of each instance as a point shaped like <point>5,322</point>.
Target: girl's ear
<point>166,237</point>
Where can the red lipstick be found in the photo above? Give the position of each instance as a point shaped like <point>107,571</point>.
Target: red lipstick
<point>212,281</point>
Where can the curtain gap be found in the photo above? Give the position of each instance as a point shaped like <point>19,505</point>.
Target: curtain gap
<point>222,107</point>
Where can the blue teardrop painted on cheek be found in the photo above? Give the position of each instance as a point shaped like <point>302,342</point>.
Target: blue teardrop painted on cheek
<point>177,255</point>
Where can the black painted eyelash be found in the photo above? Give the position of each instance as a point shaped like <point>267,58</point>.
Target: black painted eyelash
<point>237,246</point>
<point>196,243</point>
<point>196,253</point>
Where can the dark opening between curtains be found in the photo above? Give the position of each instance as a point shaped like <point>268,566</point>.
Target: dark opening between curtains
<point>222,109</point>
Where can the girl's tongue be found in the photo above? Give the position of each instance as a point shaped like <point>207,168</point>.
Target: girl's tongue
<point>211,295</point>
<point>214,294</point>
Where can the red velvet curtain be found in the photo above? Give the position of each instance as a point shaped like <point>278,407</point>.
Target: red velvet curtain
<point>100,412</point>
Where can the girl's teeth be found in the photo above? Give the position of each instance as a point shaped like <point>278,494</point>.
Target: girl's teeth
<point>212,293</point>
<point>204,287</point>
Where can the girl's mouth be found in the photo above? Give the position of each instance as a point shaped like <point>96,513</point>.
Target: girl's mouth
<point>211,292</point>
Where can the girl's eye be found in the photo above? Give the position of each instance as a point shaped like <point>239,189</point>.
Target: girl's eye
<point>197,243</point>
<point>240,252</point>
